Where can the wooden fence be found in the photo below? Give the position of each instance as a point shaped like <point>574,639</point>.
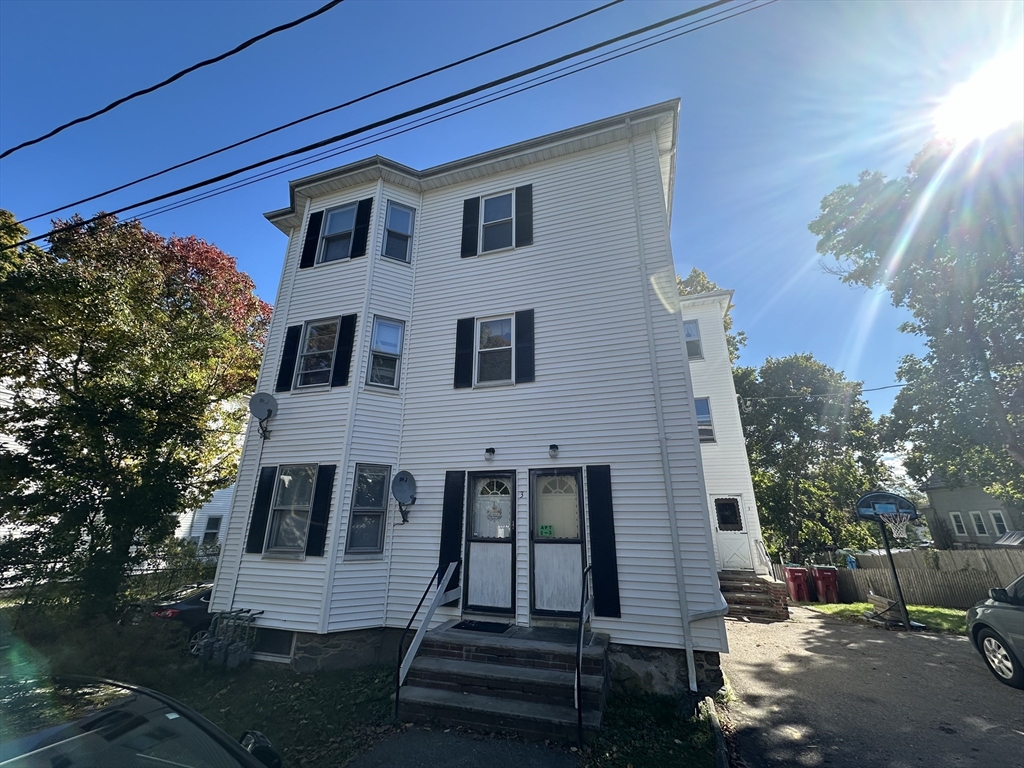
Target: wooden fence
<point>949,579</point>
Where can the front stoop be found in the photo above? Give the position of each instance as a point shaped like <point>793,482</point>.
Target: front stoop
<point>749,596</point>
<point>511,682</point>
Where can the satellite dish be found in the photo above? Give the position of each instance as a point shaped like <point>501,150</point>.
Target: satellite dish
<point>262,406</point>
<point>403,488</point>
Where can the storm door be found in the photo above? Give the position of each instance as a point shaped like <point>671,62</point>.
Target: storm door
<point>557,536</point>
<point>733,541</point>
<point>490,542</point>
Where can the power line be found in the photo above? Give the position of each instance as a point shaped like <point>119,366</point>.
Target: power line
<point>177,76</point>
<point>322,112</point>
<point>385,121</point>
<point>480,101</point>
<point>845,393</point>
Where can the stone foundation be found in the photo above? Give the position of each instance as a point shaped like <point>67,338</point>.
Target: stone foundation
<point>345,650</point>
<point>636,668</point>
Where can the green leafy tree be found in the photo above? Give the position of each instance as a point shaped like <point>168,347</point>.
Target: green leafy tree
<point>126,353</point>
<point>947,242</point>
<point>698,282</point>
<point>814,450</point>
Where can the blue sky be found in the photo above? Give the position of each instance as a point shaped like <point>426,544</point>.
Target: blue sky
<point>779,107</point>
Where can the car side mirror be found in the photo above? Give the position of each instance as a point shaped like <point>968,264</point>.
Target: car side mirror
<point>1000,595</point>
<point>259,746</point>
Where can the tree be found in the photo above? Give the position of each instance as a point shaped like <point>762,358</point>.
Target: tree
<point>698,282</point>
<point>813,449</point>
<point>126,354</point>
<point>947,242</point>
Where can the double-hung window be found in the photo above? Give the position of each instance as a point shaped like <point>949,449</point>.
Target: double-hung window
<point>497,223</point>
<point>317,354</point>
<point>336,240</point>
<point>289,515</point>
<point>212,531</point>
<point>979,524</point>
<point>705,427</point>
<point>494,350</point>
<point>691,330</point>
<point>369,510</point>
<point>398,232</point>
<point>958,523</point>
<point>386,352</point>
<point>998,521</point>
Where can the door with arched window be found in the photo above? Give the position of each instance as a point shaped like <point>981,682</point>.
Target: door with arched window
<point>490,543</point>
<point>557,536</point>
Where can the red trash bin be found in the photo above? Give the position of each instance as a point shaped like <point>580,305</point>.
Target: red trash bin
<point>796,580</point>
<point>826,581</point>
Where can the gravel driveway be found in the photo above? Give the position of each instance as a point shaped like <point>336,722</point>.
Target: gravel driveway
<point>819,691</point>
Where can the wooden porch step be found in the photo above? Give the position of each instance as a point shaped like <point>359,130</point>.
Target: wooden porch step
<point>511,651</point>
<point>531,718</point>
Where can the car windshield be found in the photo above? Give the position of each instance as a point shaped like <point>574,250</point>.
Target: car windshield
<point>85,724</point>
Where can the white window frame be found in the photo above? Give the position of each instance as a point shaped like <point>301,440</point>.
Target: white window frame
<point>297,383</point>
<point>711,421</point>
<point>483,206</point>
<point>511,380</point>
<point>699,340</point>
<point>956,517</point>
<point>387,230</point>
<point>215,532</point>
<point>322,245</point>
<point>382,511</point>
<point>979,524</point>
<point>397,358</point>
<point>292,552</point>
<point>998,523</point>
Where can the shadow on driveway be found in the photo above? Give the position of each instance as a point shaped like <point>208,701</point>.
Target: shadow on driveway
<point>819,691</point>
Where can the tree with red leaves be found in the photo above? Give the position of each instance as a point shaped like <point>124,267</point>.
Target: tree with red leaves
<point>127,354</point>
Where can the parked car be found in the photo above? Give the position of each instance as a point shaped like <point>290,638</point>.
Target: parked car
<point>81,721</point>
<point>996,627</point>
<point>189,605</point>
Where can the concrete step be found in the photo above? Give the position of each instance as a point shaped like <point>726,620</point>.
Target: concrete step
<point>510,651</point>
<point>543,721</point>
<point>524,683</point>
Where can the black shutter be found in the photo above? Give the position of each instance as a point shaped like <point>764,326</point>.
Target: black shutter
<point>361,231</point>
<point>464,330</point>
<point>524,346</point>
<point>470,226</point>
<point>290,351</point>
<point>309,247</point>
<point>602,541</point>
<point>451,524</point>
<point>317,536</point>
<point>524,215</point>
<point>261,510</point>
<point>343,351</point>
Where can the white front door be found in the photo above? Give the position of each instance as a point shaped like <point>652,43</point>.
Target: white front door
<point>490,537</point>
<point>733,539</point>
<point>556,533</point>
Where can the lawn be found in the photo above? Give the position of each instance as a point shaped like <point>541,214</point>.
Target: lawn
<point>949,620</point>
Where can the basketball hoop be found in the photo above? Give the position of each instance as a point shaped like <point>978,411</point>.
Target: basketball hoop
<point>897,523</point>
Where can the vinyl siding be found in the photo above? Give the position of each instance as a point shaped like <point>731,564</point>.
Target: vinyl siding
<point>194,523</point>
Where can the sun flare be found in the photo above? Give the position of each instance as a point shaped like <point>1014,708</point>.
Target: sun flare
<point>992,99</point>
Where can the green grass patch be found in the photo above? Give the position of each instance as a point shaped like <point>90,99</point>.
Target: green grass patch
<point>646,731</point>
<point>949,620</point>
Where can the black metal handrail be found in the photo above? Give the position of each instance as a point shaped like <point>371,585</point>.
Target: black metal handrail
<point>584,595</point>
<point>401,641</point>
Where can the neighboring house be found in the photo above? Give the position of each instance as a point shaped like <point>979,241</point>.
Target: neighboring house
<point>506,328</point>
<point>206,526</point>
<point>967,517</point>
<point>734,519</point>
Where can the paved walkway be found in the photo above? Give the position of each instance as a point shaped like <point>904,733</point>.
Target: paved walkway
<point>818,691</point>
<point>420,747</point>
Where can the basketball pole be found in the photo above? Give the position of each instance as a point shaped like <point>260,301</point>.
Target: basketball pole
<point>895,578</point>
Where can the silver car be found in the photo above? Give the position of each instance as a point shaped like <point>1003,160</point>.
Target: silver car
<point>996,627</point>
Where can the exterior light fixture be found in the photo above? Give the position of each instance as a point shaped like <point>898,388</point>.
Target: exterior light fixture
<point>488,454</point>
<point>553,451</point>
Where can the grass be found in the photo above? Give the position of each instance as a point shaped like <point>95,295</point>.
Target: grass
<point>646,731</point>
<point>948,620</point>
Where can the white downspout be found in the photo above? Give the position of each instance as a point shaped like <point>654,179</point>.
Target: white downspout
<point>684,607</point>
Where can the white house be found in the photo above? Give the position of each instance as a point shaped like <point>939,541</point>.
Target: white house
<point>506,328</point>
<point>734,519</point>
<point>206,525</point>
